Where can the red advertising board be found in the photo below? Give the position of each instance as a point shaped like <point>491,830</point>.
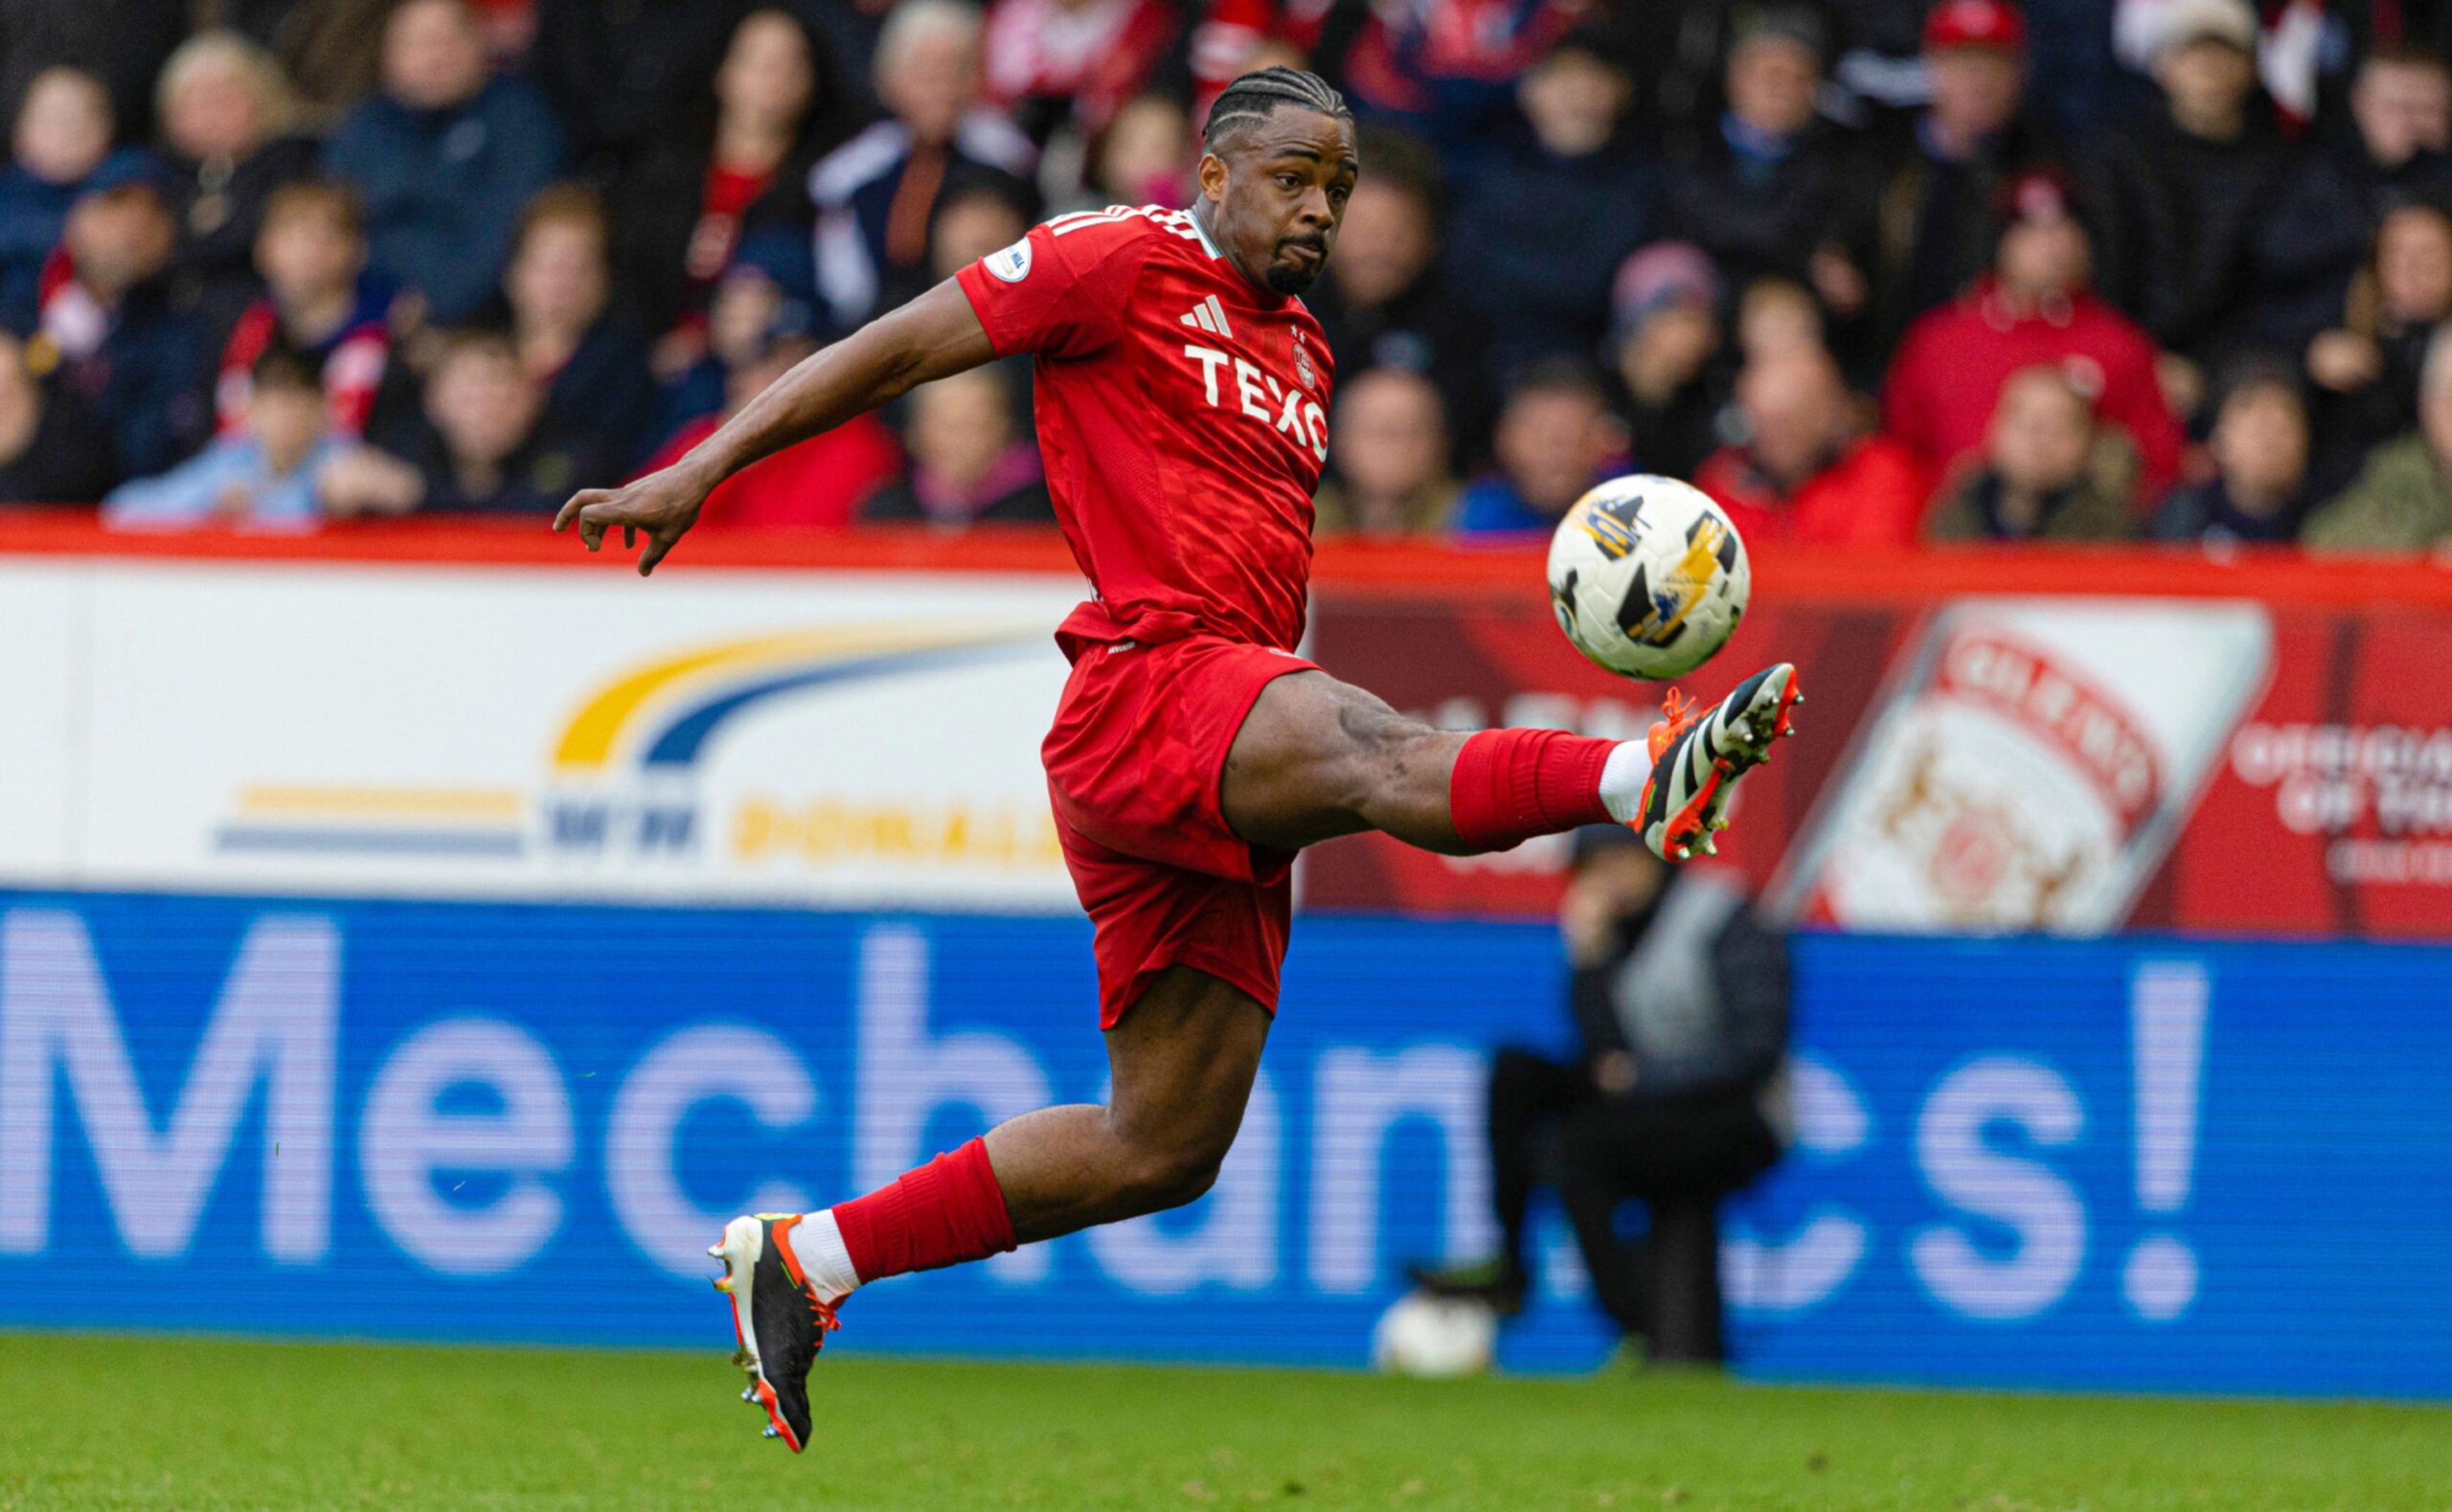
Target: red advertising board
<point>2161,743</point>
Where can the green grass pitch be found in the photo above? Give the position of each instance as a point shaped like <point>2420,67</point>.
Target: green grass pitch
<point>156,1423</point>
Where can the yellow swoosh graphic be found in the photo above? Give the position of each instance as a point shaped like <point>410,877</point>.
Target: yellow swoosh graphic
<point>593,732</point>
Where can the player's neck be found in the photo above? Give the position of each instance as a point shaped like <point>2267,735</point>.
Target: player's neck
<point>1204,214</point>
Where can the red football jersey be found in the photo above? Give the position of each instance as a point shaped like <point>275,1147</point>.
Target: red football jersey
<point>1184,417</point>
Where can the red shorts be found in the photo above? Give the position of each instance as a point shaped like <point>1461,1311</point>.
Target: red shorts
<point>1134,766</point>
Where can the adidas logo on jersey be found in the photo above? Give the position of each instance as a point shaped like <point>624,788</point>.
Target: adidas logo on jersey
<point>1210,316</point>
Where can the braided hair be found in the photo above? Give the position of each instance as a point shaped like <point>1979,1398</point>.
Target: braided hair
<point>1255,96</point>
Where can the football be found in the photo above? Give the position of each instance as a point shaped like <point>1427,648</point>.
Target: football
<point>1435,1337</point>
<point>1647,576</point>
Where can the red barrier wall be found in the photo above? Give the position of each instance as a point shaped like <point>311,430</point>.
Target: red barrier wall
<point>1511,571</point>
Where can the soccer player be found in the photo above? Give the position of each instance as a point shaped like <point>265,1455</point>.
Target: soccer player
<point>1182,399</point>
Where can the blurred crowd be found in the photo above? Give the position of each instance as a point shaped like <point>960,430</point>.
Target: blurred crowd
<point>1866,271</point>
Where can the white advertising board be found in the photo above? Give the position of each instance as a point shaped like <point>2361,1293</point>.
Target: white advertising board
<point>42,654</point>
<point>792,737</point>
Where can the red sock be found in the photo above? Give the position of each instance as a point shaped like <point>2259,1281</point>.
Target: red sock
<point>1510,785</point>
<point>947,1212</point>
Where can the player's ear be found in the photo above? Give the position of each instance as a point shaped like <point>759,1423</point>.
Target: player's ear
<point>1212,174</point>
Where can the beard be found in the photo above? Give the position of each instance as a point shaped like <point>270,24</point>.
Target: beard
<point>1289,279</point>
<point>1286,279</point>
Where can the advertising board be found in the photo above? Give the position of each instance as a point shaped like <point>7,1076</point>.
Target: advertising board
<point>482,731</point>
<point>1982,763</point>
<point>1969,762</point>
<point>2142,1164</point>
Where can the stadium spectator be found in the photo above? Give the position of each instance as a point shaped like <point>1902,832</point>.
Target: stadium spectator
<point>1386,301</point>
<point>1555,439</point>
<point>2043,476</point>
<point>974,218</point>
<point>1679,996</point>
<point>1934,231</point>
<point>2400,103</point>
<point>2402,498</point>
<point>1057,63</point>
<point>443,159</point>
<point>2365,367</point>
<point>53,449</point>
<point>1772,192</point>
<point>876,193</point>
<point>1776,317</point>
<point>2260,489</point>
<point>2316,235</point>
<point>619,76</point>
<point>2180,193</point>
<point>818,484</point>
<point>120,44</point>
<point>600,396</point>
<point>61,143</point>
<point>318,299</point>
<point>107,319</point>
<point>1226,39</point>
<point>2350,34</point>
<point>477,453</point>
<point>972,460</point>
<point>226,115</point>
<point>1546,217</point>
<point>262,475</point>
<point>1146,155</point>
<point>738,169</point>
<point>1834,211</point>
<point>331,50</point>
<point>753,304</point>
<point>1388,451</point>
<point>2034,307</point>
<point>1667,339</point>
<point>1443,70</point>
<point>1806,472</point>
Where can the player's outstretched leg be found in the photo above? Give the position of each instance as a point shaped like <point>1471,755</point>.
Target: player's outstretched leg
<point>1183,1060</point>
<point>1318,758</point>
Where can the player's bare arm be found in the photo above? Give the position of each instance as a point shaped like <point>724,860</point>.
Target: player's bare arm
<point>934,336</point>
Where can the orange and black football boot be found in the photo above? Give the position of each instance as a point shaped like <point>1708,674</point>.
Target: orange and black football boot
<point>779,1324</point>
<point>1697,758</point>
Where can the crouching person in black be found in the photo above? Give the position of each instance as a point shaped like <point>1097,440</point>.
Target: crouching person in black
<point>1680,997</point>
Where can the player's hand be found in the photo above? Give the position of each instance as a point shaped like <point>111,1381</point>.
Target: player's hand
<point>662,505</point>
<point>1613,1072</point>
